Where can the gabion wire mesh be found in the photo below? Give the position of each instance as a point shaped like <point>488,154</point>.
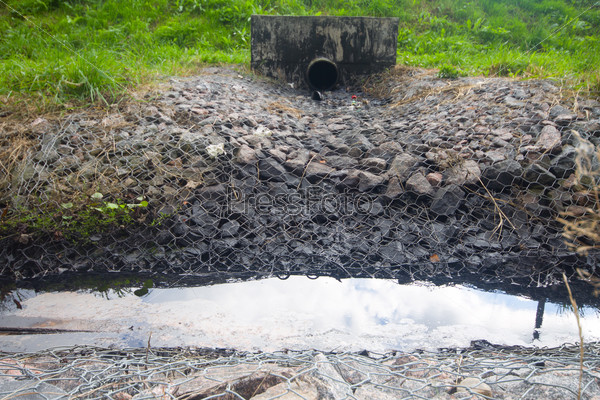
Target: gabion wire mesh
<point>234,174</point>
<point>480,372</point>
<point>228,175</point>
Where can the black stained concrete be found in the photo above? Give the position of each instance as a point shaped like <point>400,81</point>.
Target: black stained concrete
<point>283,47</point>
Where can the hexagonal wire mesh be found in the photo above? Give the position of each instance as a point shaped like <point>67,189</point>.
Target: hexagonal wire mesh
<point>229,176</point>
<point>479,373</point>
<point>233,174</point>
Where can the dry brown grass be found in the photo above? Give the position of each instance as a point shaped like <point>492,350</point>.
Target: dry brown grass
<point>395,84</point>
<point>16,146</point>
<point>21,133</point>
<point>583,231</point>
<point>280,106</point>
<point>381,85</point>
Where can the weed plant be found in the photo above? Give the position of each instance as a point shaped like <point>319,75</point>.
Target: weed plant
<point>76,220</point>
<point>95,50</point>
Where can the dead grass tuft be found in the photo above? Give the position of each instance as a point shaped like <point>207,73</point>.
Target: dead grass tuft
<point>16,146</point>
<point>280,107</point>
<point>583,231</point>
<point>381,85</point>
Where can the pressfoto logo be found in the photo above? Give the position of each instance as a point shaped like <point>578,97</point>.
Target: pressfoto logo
<point>307,202</point>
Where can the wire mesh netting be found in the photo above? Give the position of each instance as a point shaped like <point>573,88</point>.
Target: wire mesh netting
<point>481,372</point>
<point>233,174</point>
<point>226,175</point>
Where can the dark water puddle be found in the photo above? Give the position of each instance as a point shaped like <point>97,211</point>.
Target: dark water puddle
<point>296,313</point>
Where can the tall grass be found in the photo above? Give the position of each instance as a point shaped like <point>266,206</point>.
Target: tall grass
<point>98,49</point>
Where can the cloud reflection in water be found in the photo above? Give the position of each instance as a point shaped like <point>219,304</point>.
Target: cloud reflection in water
<point>299,313</point>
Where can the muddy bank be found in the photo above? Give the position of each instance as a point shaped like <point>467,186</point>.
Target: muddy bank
<point>242,175</point>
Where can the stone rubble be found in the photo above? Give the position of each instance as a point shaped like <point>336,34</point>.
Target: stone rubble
<point>250,174</point>
<point>493,373</point>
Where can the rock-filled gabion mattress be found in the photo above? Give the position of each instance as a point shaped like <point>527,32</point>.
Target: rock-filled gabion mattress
<point>229,173</point>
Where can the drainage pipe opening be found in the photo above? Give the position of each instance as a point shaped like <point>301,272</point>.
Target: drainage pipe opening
<point>322,74</point>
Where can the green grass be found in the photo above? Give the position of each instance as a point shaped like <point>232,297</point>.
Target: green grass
<point>96,50</point>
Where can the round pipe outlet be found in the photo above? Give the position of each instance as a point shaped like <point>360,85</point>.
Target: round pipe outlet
<point>322,74</point>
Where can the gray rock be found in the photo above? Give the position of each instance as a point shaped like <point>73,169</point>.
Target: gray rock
<point>368,181</point>
<point>513,103</point>
<point>203,222</point>
<point>31,390</point>
<point>556,386</point>
<point>301,155</point>
<point>258,142</point>
<point>279,155</point>
<point>592,127</point>
<point>589,104</point>
<point>180,229</point>
<point>190,141</point>
<point>502,175</point>
<point>495,155</point>
<point>230,229</point>
<point>245,155</point>
<point>418,184</point>
<point>349,181</point>
<point>374,164</point>
<point>394,189</point>
<point>503,134</point>
<point>41,126</point>
<point>559,110</point>
<point>327,373</point>
<point>474,385</point>
<point>385,392</point>
<point>337,144</point>
<point>402,165</point>
<point>464,173</point>
<point>213,192</point>
<point>377,208</point>
<point>269,169</point>
<point>297,161</point>
<point>565,119</point>
<point>519,94</point>
<point>316,171</point>
<point>355,152</point>
<point>447,200</point>
<point>434,178</point>
<point>564,164</point>
<point>387,151</point>
<point>393,252</point>
<point>549,139</point>
<point>342,162</point>
<point>538,175</point>
<point>337,127</point>
<point>357,140</point>
<point>27,173</point>
<point>48,152</point>
<point>299,388</point>
<point>296,166</point>
<point>212,120</point>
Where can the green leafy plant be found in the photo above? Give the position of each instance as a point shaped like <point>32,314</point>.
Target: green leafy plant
<point>448,71</point>
<point>508,67</point>
<point>115,212</point>
<point>75,220</point>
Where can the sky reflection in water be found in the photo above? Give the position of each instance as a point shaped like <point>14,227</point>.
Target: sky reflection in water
<point>299,313</point>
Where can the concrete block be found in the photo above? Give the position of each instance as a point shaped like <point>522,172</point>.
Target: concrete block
<point>321,52</point>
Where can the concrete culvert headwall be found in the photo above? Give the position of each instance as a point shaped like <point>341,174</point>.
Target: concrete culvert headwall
<point>322,52</point>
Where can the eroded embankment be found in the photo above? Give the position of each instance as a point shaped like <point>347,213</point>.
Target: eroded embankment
<point>243,175</point>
